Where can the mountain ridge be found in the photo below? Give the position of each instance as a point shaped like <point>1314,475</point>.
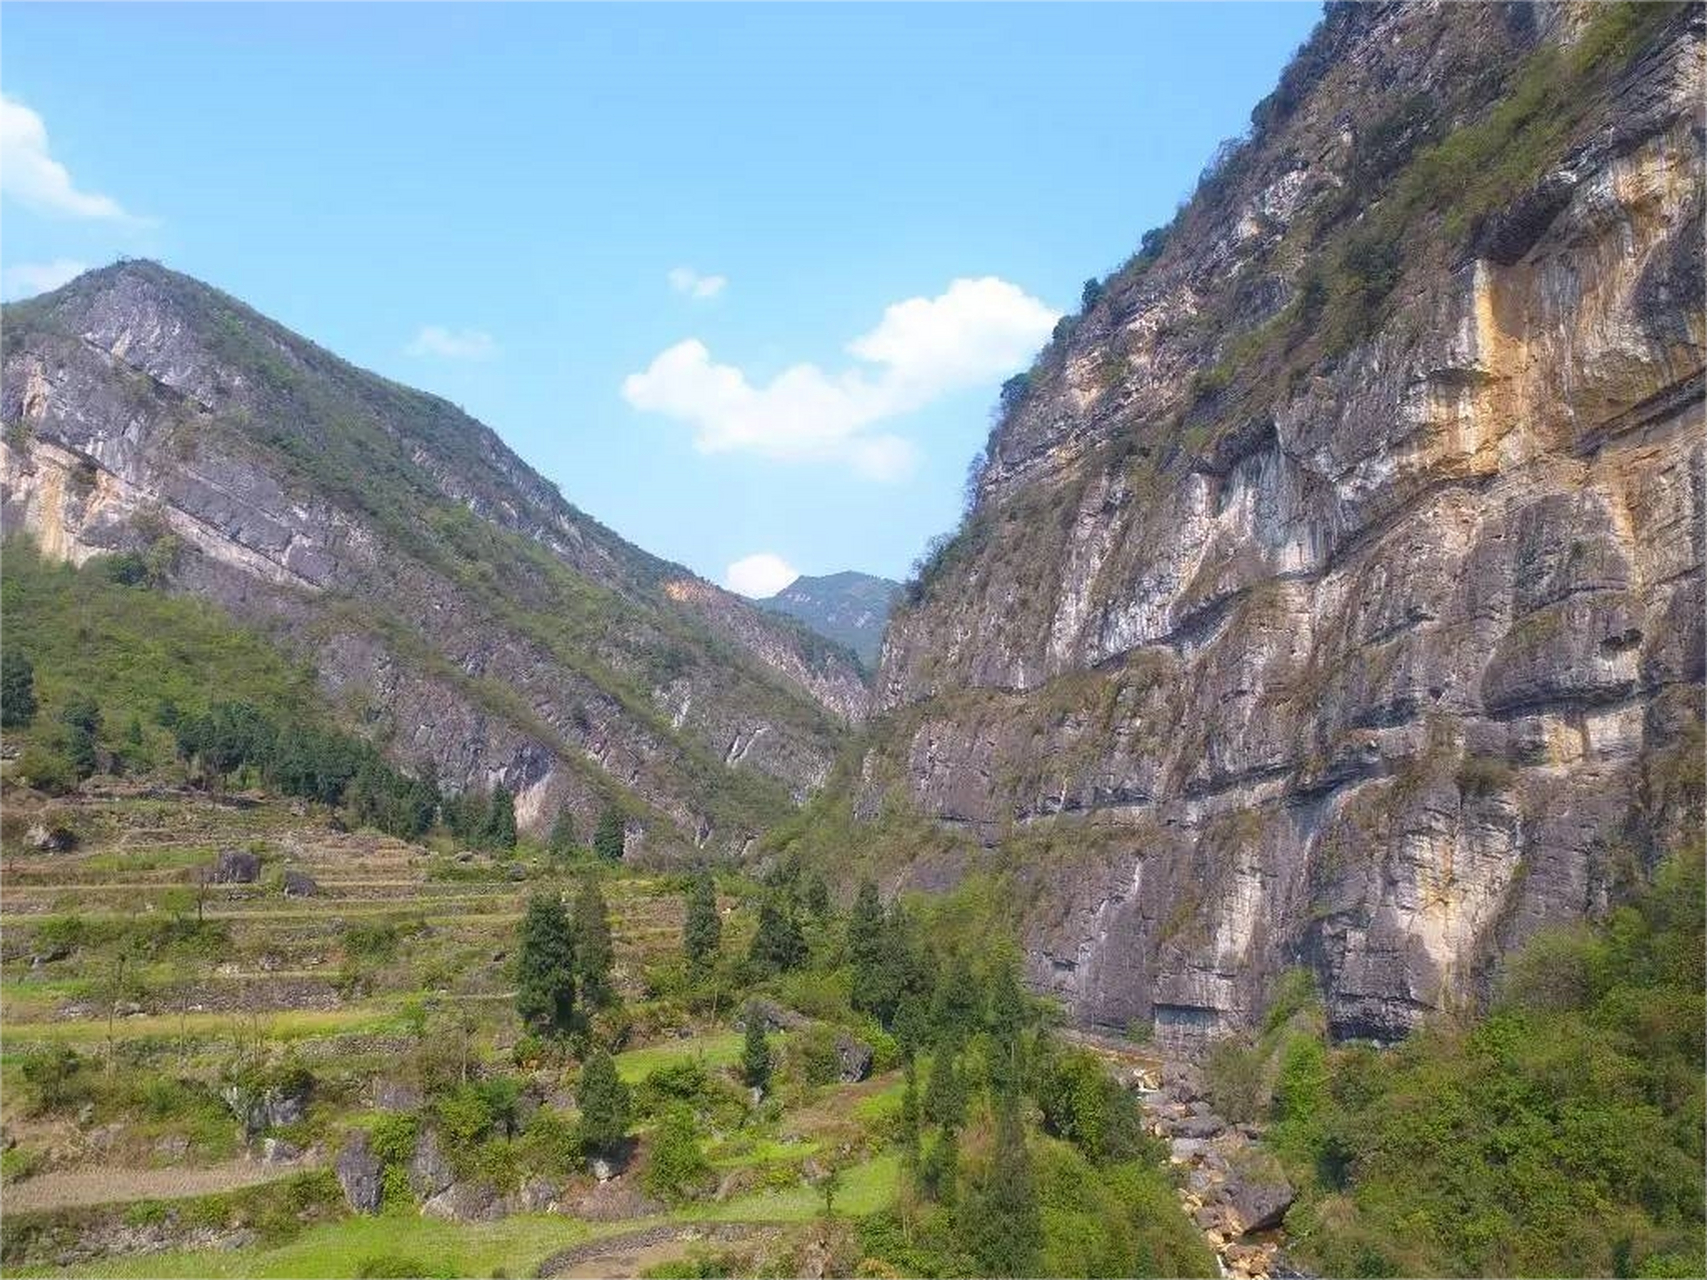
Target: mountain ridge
<point>355,516</point>
<point>849,607</point>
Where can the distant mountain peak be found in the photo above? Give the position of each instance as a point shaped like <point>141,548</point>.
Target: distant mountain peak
<point>849,607</point>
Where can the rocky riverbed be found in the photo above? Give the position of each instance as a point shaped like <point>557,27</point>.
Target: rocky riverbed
<point>1234,1190</point>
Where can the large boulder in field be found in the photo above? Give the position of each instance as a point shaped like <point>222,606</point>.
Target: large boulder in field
<point>467,1202</point>
<point>429,1172</point>
<point>1258,1195</point>
<point>853,1059</point>
<point>774,1016</point>
<point>359,1173</point>
<point>236,866</point>
<point>50,837</point>
<point>299,884</point>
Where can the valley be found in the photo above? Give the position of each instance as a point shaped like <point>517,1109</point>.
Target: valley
<point>1264,838</point>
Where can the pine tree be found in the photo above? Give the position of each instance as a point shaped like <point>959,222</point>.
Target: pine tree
<point>945,1094</point>
<point>756,1052</point>
<point>939,1174</point>
<point>82,721</point>
<point>1006,1022</point>
<point>702,932</point>
<point>17,690</point>
<point>909,1136</point>
<point>593,949</point>
<point>817,896</point>
<point>603,1101</point>
<point>545,967</point>
<point>610,840</point>
<point>866,944</point>
<point>999,1220</point>
<point>778,945</point>
<point>562,841</point>
<point>958,1005</point>
<point>500,832</point>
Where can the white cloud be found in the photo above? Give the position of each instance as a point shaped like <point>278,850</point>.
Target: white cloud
<point>26,279</point>
<point>760,576</point>
<point>687,281</point>
<point>34,178</point>
<point>922,349</point>
<point>452,344</point>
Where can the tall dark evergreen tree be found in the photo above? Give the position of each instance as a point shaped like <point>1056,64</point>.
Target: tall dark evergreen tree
<point>756,1052</point>
<point>500,832</point>
<point>866,949</point>
<point>702,931</point>
<point>545,967</point>
<point>82,721</point>
<point>939,1173</point>
<point>17,690</point>
<point>1006,1021</point>
<point>602,1098</point>
<point>957,1007</point>
<point>816,896</point>
<point>909,1127</point>
<point>778,945</point>
<point>998,1219</point>
<point>562,840</point>
<point>594,953</point>
<point>945,1091</point>
<point>609,840</point>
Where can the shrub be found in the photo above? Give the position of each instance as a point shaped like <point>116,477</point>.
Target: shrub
<point>46,770</point>
<point>675,1165</point>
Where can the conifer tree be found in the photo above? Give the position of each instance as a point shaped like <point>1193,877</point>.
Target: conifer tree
<point>939,1174</point>
<point>593,950</point>
<point>945,1093</point>
<point>756,1052</point>
<point>603,1101</point>
<point>999,1219</point>
<point>545,967</point>
<point>778,945</point>
<point>17,690</point>
<point>909,1136</point>
<point>561,842</point>
<point>817,896</point>
<point>702,932</point>
<point>500,832</point>
<point>609,840</point>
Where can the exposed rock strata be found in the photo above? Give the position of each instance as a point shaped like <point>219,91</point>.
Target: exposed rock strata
<point>1374,667</point>
<point>474,622</point>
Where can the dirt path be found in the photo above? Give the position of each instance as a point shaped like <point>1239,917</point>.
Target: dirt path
<point>75,1187</point>
<point>620,1257</point>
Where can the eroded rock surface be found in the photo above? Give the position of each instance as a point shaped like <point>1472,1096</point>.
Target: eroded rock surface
<point>1257,651</point>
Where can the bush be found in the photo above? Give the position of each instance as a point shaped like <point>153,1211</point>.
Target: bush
<point>46,770</point>
<point>676,1168</point>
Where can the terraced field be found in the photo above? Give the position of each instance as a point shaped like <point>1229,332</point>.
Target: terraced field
<point>162,990</point>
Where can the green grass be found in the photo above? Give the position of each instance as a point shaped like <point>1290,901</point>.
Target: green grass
<point>720,1050</point>
<point>517,1245</point>
<point>289,1024</point>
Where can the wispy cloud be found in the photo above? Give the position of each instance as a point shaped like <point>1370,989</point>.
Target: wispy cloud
<point>687,281</point>
<point>30,175</point>
<point>437,342</point>
<point>26,279</point>
<point>922,349</point>
<point>760,575</point>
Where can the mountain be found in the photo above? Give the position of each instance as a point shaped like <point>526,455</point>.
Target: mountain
<point>464,616</point>
<point>1332,596</point>
<point>850,608</point>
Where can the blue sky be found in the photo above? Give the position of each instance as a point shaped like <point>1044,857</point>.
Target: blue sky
<point>698,265</point>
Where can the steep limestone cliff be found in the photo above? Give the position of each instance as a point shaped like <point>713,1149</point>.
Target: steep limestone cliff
<point>465,614</point>
<point>1333,591</point>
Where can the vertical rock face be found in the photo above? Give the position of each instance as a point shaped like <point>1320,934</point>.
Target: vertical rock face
<point>468,617</point>
<point>1333,593</point>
